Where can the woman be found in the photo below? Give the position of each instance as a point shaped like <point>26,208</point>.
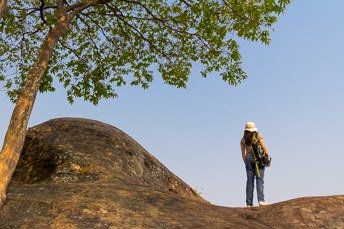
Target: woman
<point>250,164</point>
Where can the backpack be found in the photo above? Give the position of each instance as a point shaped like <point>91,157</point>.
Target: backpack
<point>260,156</point>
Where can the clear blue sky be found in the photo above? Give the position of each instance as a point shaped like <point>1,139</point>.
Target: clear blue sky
<point>294,93</point>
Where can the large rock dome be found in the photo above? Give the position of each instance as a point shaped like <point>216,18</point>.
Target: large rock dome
<point>72,150</point>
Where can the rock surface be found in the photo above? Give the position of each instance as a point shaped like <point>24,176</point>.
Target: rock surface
<point>78,173</point>
<point>72,150</point>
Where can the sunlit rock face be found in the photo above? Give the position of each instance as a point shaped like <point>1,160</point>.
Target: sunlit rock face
<point>72,150</point>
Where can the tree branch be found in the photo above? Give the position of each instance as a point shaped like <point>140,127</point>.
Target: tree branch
<point>136,31</point>
<point>33,32</point>
<point>89,29</point>
<point>80,6</point>
<point>73,51</point>
<point>163,22</point>
<point>101,29</point>
<point>41,9</point>
<point>186,3</point>
<point>60,7</point>
<point>75,5</point>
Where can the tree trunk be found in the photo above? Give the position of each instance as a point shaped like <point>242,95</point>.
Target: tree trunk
<point>15,135</point>
<point>3,4</point>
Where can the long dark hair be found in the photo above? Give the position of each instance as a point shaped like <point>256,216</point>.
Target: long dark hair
<point>248,136</point>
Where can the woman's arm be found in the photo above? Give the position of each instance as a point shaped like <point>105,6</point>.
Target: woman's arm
<point>261,141</point>
<point>242,146</point>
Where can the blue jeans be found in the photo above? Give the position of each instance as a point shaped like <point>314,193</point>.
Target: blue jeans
<point>251,172</point>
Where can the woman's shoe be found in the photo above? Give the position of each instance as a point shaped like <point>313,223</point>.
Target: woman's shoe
<point>263,203</point>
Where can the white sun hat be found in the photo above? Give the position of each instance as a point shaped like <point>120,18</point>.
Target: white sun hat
<point>250,126</point>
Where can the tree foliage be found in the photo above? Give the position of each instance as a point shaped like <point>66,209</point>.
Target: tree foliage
<point>115,42</point>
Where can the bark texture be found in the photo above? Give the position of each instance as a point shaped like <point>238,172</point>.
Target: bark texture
<point>3,5</point>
